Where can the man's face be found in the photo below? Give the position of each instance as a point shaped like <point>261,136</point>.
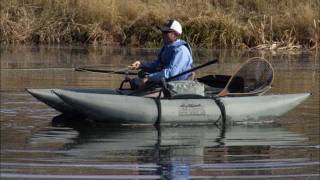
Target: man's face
<point>169,37</point>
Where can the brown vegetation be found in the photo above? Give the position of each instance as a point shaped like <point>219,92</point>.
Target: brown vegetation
<point>271,24</point>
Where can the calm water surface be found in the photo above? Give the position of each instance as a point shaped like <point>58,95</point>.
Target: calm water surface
<point>33,146</point>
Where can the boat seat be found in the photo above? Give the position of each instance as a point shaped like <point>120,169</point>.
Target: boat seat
<point>237,85</point>
<point>215,81</point>
<point>256,92</point>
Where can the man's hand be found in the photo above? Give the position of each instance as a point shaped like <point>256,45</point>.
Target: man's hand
<point>136,65</point>
<point>145,80</point>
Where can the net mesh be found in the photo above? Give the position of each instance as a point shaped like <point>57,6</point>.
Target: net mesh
<point>254,76</point>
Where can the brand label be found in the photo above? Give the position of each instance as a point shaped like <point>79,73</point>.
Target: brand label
<point>191,110</point>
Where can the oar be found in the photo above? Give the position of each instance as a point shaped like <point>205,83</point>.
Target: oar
<point>123,71</point>
<point>254,77</point>
<point>192,69</point>
<point>176,76</point>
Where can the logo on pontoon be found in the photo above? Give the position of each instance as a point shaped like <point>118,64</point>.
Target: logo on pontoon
<point>191,110</point>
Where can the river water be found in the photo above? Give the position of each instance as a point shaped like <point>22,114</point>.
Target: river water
<point>33,146</point>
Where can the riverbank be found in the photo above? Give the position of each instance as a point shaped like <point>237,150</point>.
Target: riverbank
<point>287,24</point>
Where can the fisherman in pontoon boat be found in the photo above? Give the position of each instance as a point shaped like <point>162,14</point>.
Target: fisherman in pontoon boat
<point>175,57</point>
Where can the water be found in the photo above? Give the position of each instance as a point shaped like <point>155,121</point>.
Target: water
<point>33,146</point>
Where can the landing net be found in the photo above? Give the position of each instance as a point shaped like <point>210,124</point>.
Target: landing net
<point>254,77</point>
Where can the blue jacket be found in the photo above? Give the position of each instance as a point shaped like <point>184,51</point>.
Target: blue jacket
<point>172,60</point>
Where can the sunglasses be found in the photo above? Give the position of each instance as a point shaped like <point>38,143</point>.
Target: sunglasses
<point>166,32</point>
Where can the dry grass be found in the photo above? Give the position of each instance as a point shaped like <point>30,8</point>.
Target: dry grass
<point>272,24</point>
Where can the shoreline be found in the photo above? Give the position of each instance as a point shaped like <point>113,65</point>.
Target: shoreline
<point>275,47</point>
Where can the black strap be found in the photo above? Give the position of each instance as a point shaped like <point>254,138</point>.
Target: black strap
<point>222,109</point>
<point>158,103</point>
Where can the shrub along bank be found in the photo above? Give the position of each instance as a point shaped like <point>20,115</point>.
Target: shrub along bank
<point>272,24</point>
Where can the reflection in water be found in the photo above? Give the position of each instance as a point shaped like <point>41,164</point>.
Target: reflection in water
<point>74,145</point>
<point>171,152</point>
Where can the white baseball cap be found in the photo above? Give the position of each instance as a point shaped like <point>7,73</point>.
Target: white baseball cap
<point>171,25</point>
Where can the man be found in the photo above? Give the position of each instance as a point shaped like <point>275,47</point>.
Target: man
<point>175,56</point>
